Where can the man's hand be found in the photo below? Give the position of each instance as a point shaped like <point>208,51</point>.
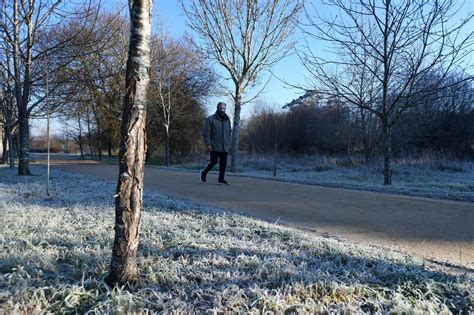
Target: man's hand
<point>209,147</point>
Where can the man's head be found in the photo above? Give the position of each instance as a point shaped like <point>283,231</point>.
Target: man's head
<point>221,108</point>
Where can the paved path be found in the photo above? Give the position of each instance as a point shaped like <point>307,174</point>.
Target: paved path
<point>432,229</point>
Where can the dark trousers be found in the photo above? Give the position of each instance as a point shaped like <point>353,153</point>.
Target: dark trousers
<point>215,156</point>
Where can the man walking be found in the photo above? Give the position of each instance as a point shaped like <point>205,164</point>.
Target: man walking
<point>217,137</point>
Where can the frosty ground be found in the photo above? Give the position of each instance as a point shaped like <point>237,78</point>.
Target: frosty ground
<point>56,250</point>
<point>423,177</point>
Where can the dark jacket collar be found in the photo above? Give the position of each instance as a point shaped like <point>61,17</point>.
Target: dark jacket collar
<point>219,117</point>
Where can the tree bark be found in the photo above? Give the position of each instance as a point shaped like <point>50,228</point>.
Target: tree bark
<point>387,153</point>
<point>11,151</point>
<point>168,155</point>
<point>24,143</point>
<point>365,134</point>
<point>81,145</point>
<point>4,147</point>
<point>99,144</point>
<point>236,131</point>
<point>89,135</point>
<point>15,146</point>
<point>128,198</point>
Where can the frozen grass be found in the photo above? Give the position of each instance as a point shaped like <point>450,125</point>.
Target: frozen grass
<point>56,249</point>
<point>428,177</point>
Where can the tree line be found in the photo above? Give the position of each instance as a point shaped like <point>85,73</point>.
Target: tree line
<point>84,61</point>
<point>390,59</point>
<point>315,124</point>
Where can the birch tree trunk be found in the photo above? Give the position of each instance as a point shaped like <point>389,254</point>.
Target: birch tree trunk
<point>236,131</point>
<point>168,149</point>
<point>128,199</point>
<point>99,134</point>
<point>89,135</point>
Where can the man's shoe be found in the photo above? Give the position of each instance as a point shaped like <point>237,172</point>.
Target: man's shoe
<point>222,182</point>
<point>203,176</point>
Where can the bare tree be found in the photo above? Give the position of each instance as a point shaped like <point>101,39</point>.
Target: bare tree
<point>167,67</point>
<point>8,118</point>
<point>129,195</point>
<point>179,77</point>
<point>93,84</point>
<point>245,38</point>
<point>100,78</point>
<point>73,130</point>
<point>390,46</point>
<point>24,24</point>
<point>7,105</point>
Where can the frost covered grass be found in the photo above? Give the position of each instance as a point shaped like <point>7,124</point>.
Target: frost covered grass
<point>424,177</point>
<point>56,250</point>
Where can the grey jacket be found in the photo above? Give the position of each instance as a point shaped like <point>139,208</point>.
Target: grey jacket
<point>217,133</point>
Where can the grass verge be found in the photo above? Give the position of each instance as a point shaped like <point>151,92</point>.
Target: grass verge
<point>56,250</point>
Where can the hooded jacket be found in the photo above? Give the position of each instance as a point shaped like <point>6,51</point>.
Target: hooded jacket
<point>217,132</point>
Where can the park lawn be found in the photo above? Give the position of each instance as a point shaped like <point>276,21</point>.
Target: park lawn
<point>56,251</point>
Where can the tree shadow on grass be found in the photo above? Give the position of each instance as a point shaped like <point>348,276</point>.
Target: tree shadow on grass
<point>320,273</point>
<point>234,278</point>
